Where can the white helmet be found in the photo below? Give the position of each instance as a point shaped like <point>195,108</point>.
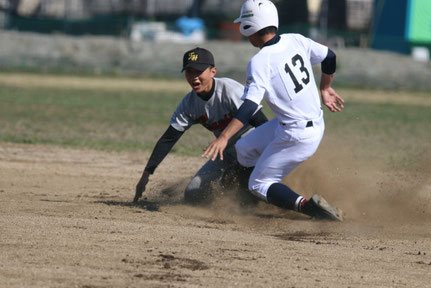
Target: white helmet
<point>256,15</point>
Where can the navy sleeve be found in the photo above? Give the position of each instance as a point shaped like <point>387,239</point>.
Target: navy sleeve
<point>258,119</point>
<point>246,110</point>
<point>329,63</point>
<point>162,148</point>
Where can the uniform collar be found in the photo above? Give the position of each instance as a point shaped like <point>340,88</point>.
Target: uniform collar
<point>208,95</point>
<point>274,40</point>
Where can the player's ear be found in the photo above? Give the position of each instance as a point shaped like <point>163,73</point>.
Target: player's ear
<point>213,71</point>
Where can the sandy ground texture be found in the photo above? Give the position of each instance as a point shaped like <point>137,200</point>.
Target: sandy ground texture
<point>66,220</point>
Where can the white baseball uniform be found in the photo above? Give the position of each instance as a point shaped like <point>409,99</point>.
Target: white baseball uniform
<point>282,74</point>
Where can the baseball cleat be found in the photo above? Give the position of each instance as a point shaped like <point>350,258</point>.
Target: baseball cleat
<point>321,209</point>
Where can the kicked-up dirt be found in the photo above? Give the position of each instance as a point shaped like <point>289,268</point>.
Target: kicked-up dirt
<point>67,220</point>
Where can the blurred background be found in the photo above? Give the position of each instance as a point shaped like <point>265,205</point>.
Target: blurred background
<point>140,36</point>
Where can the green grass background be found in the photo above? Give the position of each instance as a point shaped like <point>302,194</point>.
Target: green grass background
<point>86,118</point>
<point>112,120</point>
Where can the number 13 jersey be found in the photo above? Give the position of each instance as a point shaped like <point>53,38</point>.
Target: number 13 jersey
<point>282,74</point>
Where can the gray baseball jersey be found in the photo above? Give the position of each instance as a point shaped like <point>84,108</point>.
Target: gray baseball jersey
<point>214,114</point>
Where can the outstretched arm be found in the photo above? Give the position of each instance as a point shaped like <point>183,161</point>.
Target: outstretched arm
<point>140,187</point>
<point>330,98</point>
<point>162,148</point>
<point>242,116</point>
<point>217,147</point>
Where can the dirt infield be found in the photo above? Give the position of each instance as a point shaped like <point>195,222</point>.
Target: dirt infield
<point>66,220</point>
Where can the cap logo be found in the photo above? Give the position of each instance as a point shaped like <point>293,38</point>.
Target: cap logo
<point>247,13</point>
<point>193,56</point>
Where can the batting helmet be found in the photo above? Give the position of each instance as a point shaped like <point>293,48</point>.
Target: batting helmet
<point>256,15</point>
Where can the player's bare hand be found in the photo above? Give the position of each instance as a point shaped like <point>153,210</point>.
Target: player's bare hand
<point>215,149</point>
<point>140,187</point>
<point>331,99</point>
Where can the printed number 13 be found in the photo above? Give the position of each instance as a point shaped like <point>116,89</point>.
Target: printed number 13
<point>305,80</point>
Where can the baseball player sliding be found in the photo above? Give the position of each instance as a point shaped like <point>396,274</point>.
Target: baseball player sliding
<point>211,103</point>
<point>281,73</point>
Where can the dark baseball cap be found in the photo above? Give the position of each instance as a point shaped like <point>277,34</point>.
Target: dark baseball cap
<point>198,58</point>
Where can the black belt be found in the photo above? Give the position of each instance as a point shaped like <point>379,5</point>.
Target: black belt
<point>309,124</point>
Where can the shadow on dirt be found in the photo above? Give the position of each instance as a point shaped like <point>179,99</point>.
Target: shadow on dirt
<point>302,236</point>
<point>278,215</point>
<point>143,204</point>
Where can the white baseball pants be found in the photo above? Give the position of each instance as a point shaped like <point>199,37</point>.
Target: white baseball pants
<point>275,150</point>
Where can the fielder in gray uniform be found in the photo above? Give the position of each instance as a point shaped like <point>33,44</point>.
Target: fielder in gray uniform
<point>211,103</point>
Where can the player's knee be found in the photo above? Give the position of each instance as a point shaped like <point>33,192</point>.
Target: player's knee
<point>258,188</point>
<point>194,184</point>
<point>195,193</point>
<point>192,190</point>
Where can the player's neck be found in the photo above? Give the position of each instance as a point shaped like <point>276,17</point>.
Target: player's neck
<point>267,37</point>
<point>206,95</point>
<point>259,40</point>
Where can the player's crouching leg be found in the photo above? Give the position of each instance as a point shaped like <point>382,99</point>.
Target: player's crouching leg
<point>282,196</point>
<point>197,193</point>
